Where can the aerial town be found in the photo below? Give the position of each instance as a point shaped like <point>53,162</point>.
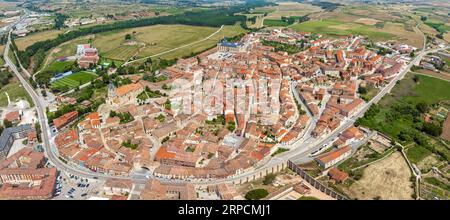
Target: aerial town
<point>276,113</point>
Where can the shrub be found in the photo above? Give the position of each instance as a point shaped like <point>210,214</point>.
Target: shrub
<point>269,179</point>
<point>432,129</point>
<point>256,194</point>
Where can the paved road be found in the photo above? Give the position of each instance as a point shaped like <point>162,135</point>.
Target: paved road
<point>301,149</point>
<point>40,107</point>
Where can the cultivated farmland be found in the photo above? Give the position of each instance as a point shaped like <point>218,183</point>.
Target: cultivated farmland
<point>23,42</point>
<point>148,41</point>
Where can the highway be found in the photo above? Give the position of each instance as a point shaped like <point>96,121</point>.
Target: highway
<point>299,151</point>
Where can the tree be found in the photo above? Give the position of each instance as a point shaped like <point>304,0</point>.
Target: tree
<point>422,107</point>
<point>362,90</point>
<point>7,123</point>
<point>165,87</point>
<point>129,144</point>
<point>167,105</point>
<point>269,178</point>
<point>231,126</point>
<point>37,127</point>
<point>149,61</point>
<point>423,18</point>
<point>128,37</point>
<point>432,129</point>
<point>416,78</point>
<point>256,194</point>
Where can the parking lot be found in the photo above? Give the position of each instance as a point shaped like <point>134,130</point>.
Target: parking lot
<point>71,187</point>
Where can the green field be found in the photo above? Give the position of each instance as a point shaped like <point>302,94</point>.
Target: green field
<point>439,27</point>
<point>338,28</point>
<point>417,153</point>
<point>275,23</point>
<point>429,90</point>
<point>74,80</point>
<point>398,116</point>
<point>122,53</point>
<point>16,92</point>
<point>60,67</point>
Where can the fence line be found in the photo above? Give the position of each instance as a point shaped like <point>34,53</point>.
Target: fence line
<point>315,183</point>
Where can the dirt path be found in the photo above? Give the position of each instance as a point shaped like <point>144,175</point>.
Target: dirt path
<point>168,51</point>
<point>441,76</point>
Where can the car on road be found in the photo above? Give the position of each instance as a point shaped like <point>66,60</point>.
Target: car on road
<point>83,195</point>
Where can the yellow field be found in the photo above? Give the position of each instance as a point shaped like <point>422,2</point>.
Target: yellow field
<point>367,21</point>
<point>148,41</point>
<point>23,42</point>
<point>151,40</point>
<point>292,9</point>
<point>289,9</point>
<point>386,179</point>
<point>408,37</point>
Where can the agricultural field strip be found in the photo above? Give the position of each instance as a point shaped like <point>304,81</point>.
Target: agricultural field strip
<point>168,51</point>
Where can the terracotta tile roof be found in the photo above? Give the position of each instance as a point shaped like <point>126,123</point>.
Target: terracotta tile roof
<point>66,138</point>
<point>65,119</point>
<point>128,88</point>
<point>337,175</point>
<point>12,116</point>
<point>164,154</point>
<point>330,156</point>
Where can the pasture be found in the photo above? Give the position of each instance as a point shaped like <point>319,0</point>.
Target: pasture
<point>15,92</point>
<point>59,67</point>
<point>275,23</point>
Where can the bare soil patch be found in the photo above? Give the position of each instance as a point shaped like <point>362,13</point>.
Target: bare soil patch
<point>367,21</point>
<point>386,179</point>
<point>441,75</point>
